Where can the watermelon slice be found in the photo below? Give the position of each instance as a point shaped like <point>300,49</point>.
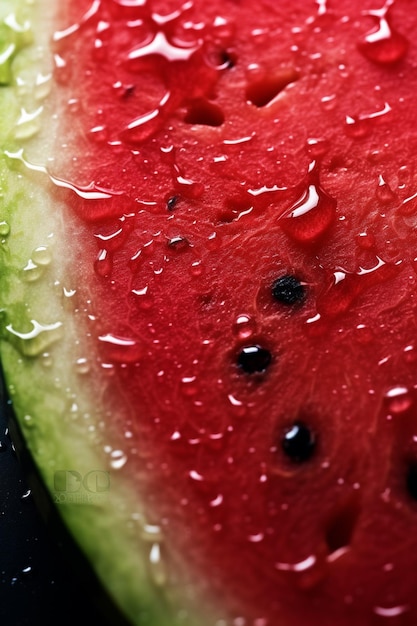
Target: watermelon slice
<point>208,302</point>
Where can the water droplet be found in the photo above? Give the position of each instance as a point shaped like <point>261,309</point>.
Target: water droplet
<point>359,126</point>
<point>28,124</point>
<point>196,268</point>
<point>157,565</point>
<point>35,341</point>
<point>120,349</point>
<point>398,399</point>
<point>82,365</point>
<point>4,229</point>
<point>42,256</point>
<point>98,134</point>
<point>32,272</point>
<point>144,297</point>
<point>103,265</point>
<point>188,386</point>
<point>344,287</point>
<point>118,459</point>
<point>366,240</point>
<point>328,102</point>
<point>312,214</point>
<point>244,326</point>
<point>383,44</point>
<point>390,613</point>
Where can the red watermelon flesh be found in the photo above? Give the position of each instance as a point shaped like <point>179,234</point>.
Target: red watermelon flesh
<point>241,192</point>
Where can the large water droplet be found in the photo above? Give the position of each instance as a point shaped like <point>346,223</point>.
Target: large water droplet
<point>35,341</point>
<point>383,44</point>
<point>312,214</point>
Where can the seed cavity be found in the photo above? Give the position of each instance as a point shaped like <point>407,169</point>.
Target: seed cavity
<point>254,359</point>
<point>262,90</point>
<point>411,479</point>
<point>340,527</point>
<point>299,442</point>
<point>288,290</point>
<point>204,112</point>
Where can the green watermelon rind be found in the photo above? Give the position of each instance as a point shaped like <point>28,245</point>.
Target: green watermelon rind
<point>39,371</point>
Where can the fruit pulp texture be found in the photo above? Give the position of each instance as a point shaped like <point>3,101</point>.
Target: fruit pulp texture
<point>206,150</point>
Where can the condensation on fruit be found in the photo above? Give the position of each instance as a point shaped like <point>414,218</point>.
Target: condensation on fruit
<point>157,565</point>
<point>244,326</point>
<point>312,214</point>
<point>383,44</point>
<point>398,399</point>
<point>34,342</point>
<point>361,125</point>
<point>121,350</point>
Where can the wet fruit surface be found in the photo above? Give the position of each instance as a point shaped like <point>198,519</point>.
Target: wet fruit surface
<point>246,190</point>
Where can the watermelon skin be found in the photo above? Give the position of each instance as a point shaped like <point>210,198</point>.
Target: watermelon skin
<point>247,157</point>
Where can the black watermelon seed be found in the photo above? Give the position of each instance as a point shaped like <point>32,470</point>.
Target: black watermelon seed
<point>288,290</point>
<point>411,480</point>
<point>254,359</point>
<point>298,442</point>
<point>171,202</point>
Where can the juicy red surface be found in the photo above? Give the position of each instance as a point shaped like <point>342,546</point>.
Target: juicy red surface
<point>235,145</point>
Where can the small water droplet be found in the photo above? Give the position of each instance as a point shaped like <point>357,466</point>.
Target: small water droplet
<point>103,265</point>
<point>244,326</point>
<point>32,272</point>
<point>118,349</point>
<point>143,297</point>
<point>398,399</point>
<point>196,268</point>
<point>328,102</point>
<point>82,365</point>
<point>359,126</point>
<point>42,256</point>
<point>188,386</point>
<point>384,193</point>
<point>391,613</point>
<point>157,565</point>
<point>98,134</point>
<point>28,124</point>
<point>4,229</point>
<point>118,459</point>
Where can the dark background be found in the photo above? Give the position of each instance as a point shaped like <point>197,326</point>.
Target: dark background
<point>39,584</point>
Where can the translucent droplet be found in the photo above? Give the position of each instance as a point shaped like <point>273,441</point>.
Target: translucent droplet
<point>188,385</point>
<point>359,126</point>
<point>391,613</point>
<point>120,349</point>
<point>244,326</point>
<point>196,268</point>
<point>311,215</point>
<point>143,297</point>
<point>118,459</point>
<point>157,565</point>
<point>42,256</point>
<point>384,193</point>
<point>32,272</point>
<point>37,340</point>
<point>103,265</point>
<point>398,399</point>
<point>82,365</point>
<point>383,44</point>
<point>4,229</point>
<point>28,124</point>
